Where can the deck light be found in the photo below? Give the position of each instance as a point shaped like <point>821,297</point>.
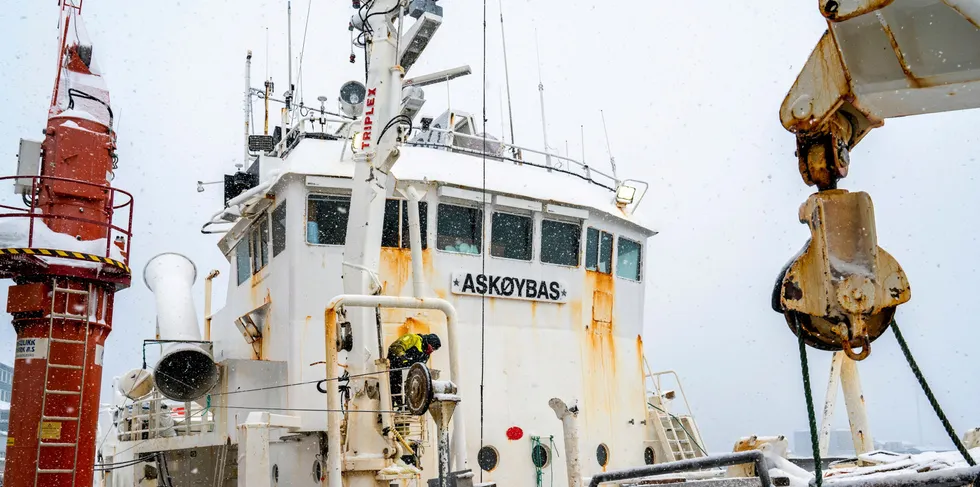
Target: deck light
<point>625,195</point>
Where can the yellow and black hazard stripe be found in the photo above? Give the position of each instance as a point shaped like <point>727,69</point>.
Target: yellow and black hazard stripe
<point>67,254</point>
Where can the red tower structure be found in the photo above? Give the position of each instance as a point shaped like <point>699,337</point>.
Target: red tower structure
<point>67,257</point>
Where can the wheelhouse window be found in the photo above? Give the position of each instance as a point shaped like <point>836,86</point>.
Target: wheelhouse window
<point>396,233</point>
<point>242,260</point>
<point>326,219</point>
<point>560,242</point>
<point>259,242</point>
<point>598,251</point>
<point>628,259</point>
<point>279,229</point>
<point>511,236</point>
<point>459,229</point>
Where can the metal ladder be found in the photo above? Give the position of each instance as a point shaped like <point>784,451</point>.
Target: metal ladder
<point>67,315</point>
<point>678,432</point>
<point>680,446</point>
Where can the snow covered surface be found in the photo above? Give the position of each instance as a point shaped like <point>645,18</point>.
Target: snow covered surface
<point>14,232</point>
<point>903,465</point>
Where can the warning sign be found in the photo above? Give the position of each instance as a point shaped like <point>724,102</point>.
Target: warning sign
<point>31,348</point>
<point>50,430</point>
<point>99,352</point>
<point>10,441</point>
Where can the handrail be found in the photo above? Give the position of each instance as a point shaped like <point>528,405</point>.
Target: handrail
<point>32,212</point>
<point>755,457</point>
<point>585,167</point>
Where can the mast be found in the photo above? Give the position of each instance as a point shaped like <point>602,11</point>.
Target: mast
<point>248,102</point>
<point>362,251</point>
<point>61,306</point>
<point>612,159</point>
<point>544,122</point>
<point>503,40</point>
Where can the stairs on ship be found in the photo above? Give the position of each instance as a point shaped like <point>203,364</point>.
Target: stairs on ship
<point>671,436</point>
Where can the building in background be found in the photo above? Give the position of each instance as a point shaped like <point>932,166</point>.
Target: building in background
<point>841,444</point>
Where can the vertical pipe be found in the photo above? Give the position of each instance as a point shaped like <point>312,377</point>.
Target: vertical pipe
<point>268,88</point>
<point>334,457</point>
<point>830,403</point>
<point>443,456</point>
<point>569,423</point>
<point>857,415</point>
<point>415,239</point>
<point>207,303</point>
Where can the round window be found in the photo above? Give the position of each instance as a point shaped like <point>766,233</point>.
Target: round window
<point>317,471</point>
<point>488,457</point>
<point>649,457</point>
<point>540,456</point>
<point>602,454</point>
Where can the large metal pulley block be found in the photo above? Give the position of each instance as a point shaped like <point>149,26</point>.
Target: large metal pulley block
<point>418,389</point>
<point>841,290</point>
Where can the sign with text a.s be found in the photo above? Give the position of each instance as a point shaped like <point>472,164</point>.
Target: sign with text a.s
<point>31,348</point>
<point>510,287</point>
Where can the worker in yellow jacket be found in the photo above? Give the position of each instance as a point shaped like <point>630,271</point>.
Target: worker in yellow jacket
<point>408,350</point>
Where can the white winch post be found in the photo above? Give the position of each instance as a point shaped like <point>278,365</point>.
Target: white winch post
<point>857,414</point>
<point>844,374</point>
<point>830,403</point>
<point>363,247</point>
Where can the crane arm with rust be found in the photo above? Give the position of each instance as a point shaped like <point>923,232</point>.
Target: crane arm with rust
<point>878,59</point>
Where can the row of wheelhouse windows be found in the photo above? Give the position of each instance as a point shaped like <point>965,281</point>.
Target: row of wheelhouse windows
<point>459,229</point>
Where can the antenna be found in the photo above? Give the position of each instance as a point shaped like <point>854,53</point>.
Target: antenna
<point>612,159</point>
<point>544,123</point>
<point>289,44</point>
<point>503,40</point>
<point>582,128</point>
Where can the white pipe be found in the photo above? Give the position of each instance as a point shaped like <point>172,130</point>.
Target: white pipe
<point>334,456</point>
<point>415,239</point>
<point>830,403</point>
<point>569,423</point>
<point>452,330</point>
<point>857,415</point>
<point>185,371</point>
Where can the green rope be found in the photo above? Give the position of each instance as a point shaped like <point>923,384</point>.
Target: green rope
<point>814,442</point>
<point>929,395</point>
<point>536,442</point>
<point>689,435</point>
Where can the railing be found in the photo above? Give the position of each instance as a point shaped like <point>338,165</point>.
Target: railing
<point>498,149</point>
<point>153,422</point>
<point>112,207</point>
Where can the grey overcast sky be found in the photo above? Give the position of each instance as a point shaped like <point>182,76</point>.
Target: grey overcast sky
<point>691,92</point>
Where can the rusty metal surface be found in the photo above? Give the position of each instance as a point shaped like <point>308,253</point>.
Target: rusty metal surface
<point>887,58</point>
<point>843,287</point>
<point>841,10</point>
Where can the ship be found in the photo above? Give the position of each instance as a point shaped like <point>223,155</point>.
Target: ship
<point>347,229</point>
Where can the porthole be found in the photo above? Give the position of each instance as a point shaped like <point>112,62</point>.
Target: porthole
<point>649,457</point>
<point>602,454</point>
<point>488,457</point>
<point>540,456</point>
<point>317,471</point>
